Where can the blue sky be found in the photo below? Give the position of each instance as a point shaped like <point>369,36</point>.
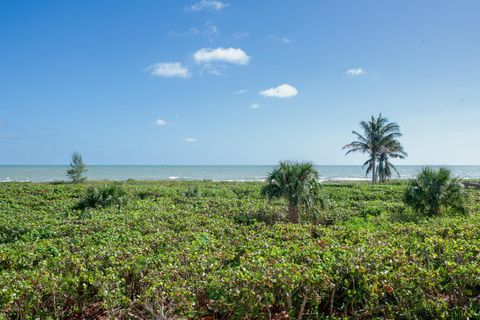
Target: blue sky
<point>236,82</point>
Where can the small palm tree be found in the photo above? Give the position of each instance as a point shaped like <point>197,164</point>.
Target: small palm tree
<point>377,134</point>
<point>77,168</point>
<point>297,182</point>
<point>434,191</point>
<point>385,168</point>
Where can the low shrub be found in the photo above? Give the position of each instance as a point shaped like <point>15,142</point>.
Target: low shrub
<point>102,197</point>
<point>435,191</point>
<point>192,192</point>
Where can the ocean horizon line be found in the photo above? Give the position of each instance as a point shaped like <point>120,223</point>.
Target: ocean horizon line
<point>39,173</point>
<point>221,165</point>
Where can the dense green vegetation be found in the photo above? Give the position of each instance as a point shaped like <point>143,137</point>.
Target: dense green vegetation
<point>205,249</point>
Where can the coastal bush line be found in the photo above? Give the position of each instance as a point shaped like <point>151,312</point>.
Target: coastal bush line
<point>217,250</point>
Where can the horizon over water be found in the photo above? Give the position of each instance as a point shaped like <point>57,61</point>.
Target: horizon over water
<point>50,173</point>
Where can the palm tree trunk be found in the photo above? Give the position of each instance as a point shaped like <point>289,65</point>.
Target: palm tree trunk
<point>293,212</point>
<point>374,170</point>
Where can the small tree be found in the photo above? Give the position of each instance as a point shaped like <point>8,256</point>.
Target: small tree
<point>298,184</point>
<point>77,168</point>
<point>434,191</point>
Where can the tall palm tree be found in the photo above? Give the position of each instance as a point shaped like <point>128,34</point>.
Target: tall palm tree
<point>377,134</point>
<point>385,168</point>
<point>298,183</point>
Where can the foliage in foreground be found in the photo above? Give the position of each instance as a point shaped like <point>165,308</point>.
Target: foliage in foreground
<point>166,252</point>
<point>436,191</point>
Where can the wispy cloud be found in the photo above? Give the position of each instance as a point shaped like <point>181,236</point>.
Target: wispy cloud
<point>228,55</point>
<point>160,122</point>
<point>207,4</point>
<point>208,30</point>
<point>355,72</point>
<point>241,35</point>
<point>190,140</point>
<point>284,40</point>
<point>282,91</point>
<point>254,105</point>
<point>241,91</point>
<point>3,123</point>
<point>190,32</point>
<point>16,134</point>
<point>168,70</point>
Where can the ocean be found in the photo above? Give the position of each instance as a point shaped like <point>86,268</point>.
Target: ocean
<point>36,173</point>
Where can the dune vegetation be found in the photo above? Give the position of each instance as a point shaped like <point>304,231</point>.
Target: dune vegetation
<point>213,250</point>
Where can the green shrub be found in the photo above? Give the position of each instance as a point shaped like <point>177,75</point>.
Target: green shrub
<point>102,197</point>
<point>436,191</point>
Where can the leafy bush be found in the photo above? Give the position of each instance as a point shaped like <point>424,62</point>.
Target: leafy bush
<point>436,191</point>
<point>102,197</point>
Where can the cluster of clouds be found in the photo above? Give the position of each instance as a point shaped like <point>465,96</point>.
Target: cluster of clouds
<point>210,59</point>
<point>206,58</point>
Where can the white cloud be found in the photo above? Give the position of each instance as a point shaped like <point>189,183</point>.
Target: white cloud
<point>355,72</point>
<point>282,91</point>
<point>169,70</point>
<point>207,4</point>
<point>254,105</point>
<point>241,91</point>
<point>160,123</point>
<point>230,55</point>
<point>190,140</point>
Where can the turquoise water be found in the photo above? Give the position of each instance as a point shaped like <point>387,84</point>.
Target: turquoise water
<point>217,173</point>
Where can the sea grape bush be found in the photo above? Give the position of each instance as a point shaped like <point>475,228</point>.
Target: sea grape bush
<point>164,255</point>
